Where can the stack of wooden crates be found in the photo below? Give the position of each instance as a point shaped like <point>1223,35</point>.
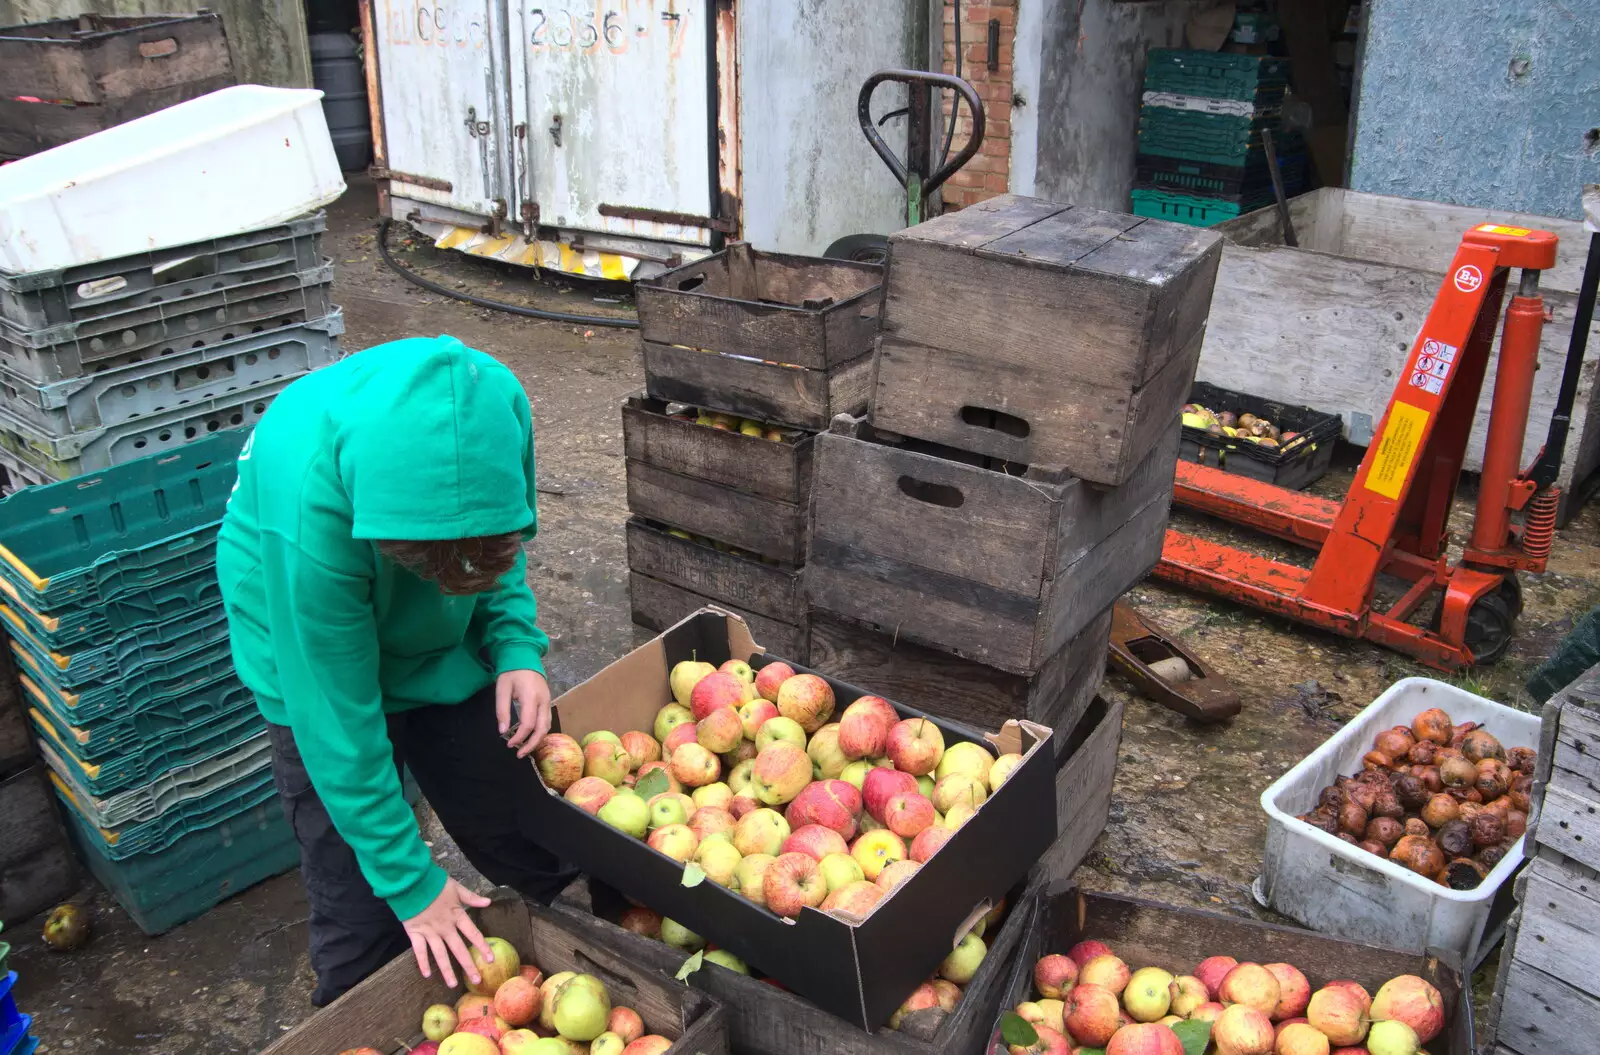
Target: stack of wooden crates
<point>969,538</point>
<point>747,355</point>
<point>1547,993</point>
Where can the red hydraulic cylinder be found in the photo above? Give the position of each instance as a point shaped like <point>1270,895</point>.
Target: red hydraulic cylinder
<point>1508,415</point>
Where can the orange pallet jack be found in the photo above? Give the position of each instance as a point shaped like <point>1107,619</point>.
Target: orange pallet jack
<point>1393,520</point>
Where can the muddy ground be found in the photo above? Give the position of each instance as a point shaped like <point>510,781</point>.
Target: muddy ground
<point>1186,826</point>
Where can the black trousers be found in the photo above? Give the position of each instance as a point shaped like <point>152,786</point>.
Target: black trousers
<point>473,782</point>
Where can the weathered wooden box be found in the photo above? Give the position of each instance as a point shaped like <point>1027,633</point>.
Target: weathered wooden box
<point>1565,814</point>
<point>1547,992</point>
<point>960,689</point>
<point>745,491</point>
<point>777,338</point>
<point>95,71</point>
<point>671,577</point>
<point>1329,323</point>
<point>37,868</point>
<point>16,746</point>
<point>927,545</point>
<point>385,1011</point>
<point>1044,334</point>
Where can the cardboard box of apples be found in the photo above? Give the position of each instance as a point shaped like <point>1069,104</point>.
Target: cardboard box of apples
<point>854,843</point>
<point>1120,976</point>
<point>551,990</point>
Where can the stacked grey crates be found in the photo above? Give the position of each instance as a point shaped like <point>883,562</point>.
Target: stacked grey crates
<point>104,363</point>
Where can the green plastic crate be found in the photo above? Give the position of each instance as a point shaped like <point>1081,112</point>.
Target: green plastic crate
<point>90,662</point>
<point>88,540</point>
<point>121,730</point>
<point>1188,208</point>
<point>1221,75</point>
<point>129,695</point>
<point>89,629</point>
<point>141,763</point>
<point>200,869</point>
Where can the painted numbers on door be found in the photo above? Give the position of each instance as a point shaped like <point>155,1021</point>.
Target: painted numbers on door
<point>423,23</point>
<point>592,25</point>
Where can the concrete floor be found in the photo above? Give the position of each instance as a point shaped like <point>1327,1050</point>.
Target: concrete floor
<point>1186,826</point>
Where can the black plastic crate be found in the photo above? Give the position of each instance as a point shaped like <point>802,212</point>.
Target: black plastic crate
<point>1295,467</point>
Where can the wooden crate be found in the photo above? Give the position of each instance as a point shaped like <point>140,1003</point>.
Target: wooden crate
<point>16,746</point>
<point>959,689</point>
<point>111,69</point>
<point>997,568</point>
<point>37,868</point>
<point>1547,991</point>
<point>1087,759</point>
<point>747,492</point>
<point>385,1011</point>
<point>1565,814</point>
<point>778,338</point>
<point>659,605</point>
<point>1147,934</point>
<point>1328,323</point>
<point>1043,334</point>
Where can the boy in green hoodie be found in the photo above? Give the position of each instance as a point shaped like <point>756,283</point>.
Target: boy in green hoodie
<point>372,568</point>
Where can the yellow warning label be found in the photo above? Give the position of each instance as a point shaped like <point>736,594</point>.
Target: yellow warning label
<point>1402,435</point>
<point>1514,232</point>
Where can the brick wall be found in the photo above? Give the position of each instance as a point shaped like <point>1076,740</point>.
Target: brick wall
<point>989,173</point>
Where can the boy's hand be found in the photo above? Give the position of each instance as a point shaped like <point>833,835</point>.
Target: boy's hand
<point>439,929</point>
<point>532,695</point>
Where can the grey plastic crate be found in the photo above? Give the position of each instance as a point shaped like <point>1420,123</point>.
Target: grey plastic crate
<point>87,452</point>
<point>60,353</point>
<point>171,789</point>
<point>183,378</point>
<point>38,300</point>
<point>18,474</point>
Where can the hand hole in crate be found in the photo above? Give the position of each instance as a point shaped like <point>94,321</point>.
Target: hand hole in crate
<point>101,287</point>
<point>998,420</point>
<point>189,432</point>
<point>932,493</point>
<point>250,360</point>
<point>692,282</point>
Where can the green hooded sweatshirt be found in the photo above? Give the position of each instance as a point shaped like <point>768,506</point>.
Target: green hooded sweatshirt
<point>419,439</point>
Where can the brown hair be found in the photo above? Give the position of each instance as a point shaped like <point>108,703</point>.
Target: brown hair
<point>458,566</point>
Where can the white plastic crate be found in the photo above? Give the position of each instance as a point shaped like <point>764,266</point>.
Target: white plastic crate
<point>235,160</point>
<point>1333,887</point>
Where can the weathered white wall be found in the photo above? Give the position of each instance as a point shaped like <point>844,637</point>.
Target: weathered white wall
<point>266,38</point>
<point>808,175</point>
<point>1488,103</point>
<point>1083,116</point>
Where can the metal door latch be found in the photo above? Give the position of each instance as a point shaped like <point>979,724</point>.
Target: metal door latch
<point>475,127</point>
<point>555,129</point>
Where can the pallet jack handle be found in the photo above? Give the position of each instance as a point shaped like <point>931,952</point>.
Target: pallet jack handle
<point>1548,466</point>
<point>917,186</point>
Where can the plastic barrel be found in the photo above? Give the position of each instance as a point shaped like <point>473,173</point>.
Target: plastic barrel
<point>336,71</point>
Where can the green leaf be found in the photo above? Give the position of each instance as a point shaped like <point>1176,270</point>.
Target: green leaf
<point>1092,1051</point>
<point>693,875</point>
<point>1194,1034</point>
<point>691,965</point>
<point>652,784</point>
<point>1014,1029</point>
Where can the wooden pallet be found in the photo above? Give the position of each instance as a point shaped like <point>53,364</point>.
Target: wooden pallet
<point>959,689</point>
<point>1044,334</point>
<point>935,547</point>
<point>763,335</point>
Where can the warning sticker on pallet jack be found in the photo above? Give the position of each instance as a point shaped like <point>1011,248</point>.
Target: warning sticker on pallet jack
<point>1397,449</point>
<point>1433,366</point>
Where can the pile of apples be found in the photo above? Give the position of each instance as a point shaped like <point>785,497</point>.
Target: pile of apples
<point>1247,427</point>
<point>1088,998</point>
<point>748,782</point>
<point>761,430</point>
<point>515,1010</point>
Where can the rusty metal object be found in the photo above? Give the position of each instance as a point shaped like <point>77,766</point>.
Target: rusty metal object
<point>629,212</point>
<point>378,172</point>
<point>369,54</point>
<point>1137,644</point>
<point>726,74</point>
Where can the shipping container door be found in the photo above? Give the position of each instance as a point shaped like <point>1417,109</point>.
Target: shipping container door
<point>446,89</point>
<point>619,96</point>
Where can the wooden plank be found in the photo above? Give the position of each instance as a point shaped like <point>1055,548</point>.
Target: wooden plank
<point>977,225</point>
<point>37,881</point>
<point>27,128</point>
<point>748,522</point>
<point>765,1020</point>
<point>778,470</point>
<point>1559,930</point>
<point>744,302</point>
<point>659,606</point>
<point>1576,756</point>
<point>381,1010</point>
<point>802,398</point>
<point>1570,826</point>
<point>723,577</point>
<point>110,67</point>
<point>1177,264</point>
<point>1102,575</point>
<point>958,689</point>
<point>1541,1014</point>
<point>1083,787</point>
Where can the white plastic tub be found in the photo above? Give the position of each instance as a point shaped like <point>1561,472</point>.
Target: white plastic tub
<point>1333,887</point>
<point>235,160</point>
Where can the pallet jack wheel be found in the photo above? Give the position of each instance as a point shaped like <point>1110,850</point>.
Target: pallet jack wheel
<point>1490,623</point>
<point>1511,590</point>
<point>862,248</point>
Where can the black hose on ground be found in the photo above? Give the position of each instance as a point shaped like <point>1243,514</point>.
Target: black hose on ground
<point>485,302</point>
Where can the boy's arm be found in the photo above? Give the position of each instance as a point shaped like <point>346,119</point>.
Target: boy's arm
<point>507,618</point>
<point>327,656</point>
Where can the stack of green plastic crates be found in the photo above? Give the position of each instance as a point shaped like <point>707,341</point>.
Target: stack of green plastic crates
<point>1201,153</point>
<point>109,596</point>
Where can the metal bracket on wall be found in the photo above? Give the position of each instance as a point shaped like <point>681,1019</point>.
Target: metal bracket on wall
<point>378,172</point>
<point>682,219</point>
